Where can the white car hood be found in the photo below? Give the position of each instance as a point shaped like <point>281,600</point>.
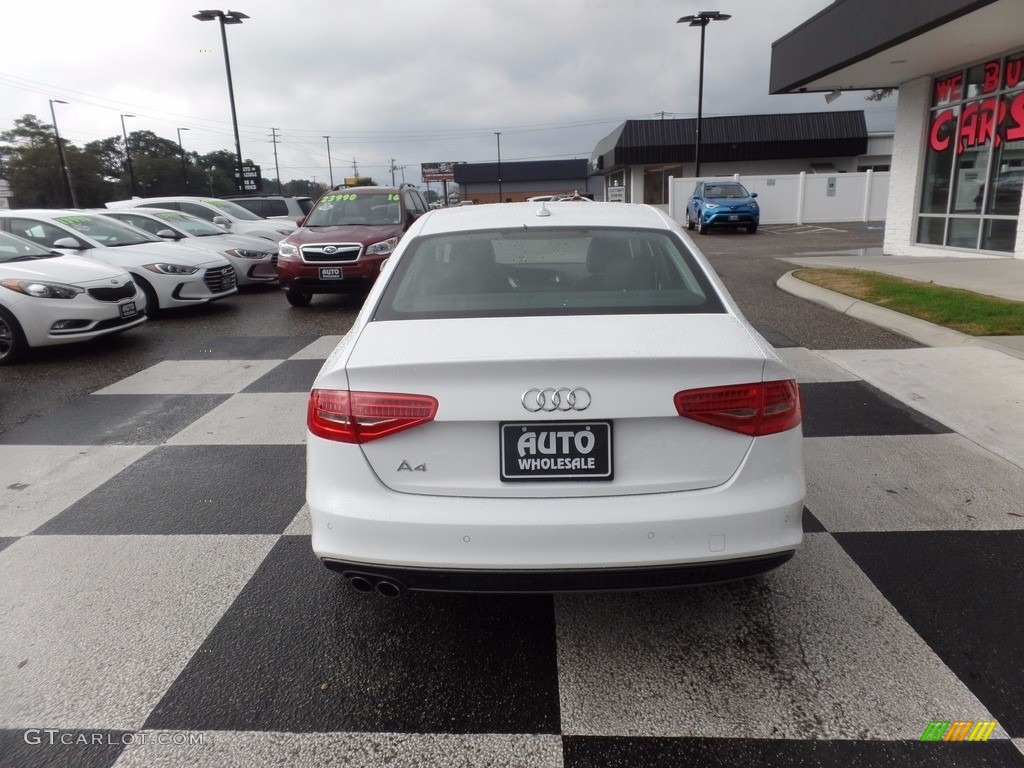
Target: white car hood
<point>70,270</point>
<point>148,253</point>
<point>221,243</point>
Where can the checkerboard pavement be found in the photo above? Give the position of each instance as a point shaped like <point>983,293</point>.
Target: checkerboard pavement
<point>160,605</point>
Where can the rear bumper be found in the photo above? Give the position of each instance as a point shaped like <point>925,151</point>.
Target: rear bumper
<point>585,580</point>
<point>747,525</point>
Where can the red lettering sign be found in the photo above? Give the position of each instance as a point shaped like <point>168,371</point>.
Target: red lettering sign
<point>1015,131</point>
<point>978,124</point>
<point>991,81</point>
<point>942,130</point>
<point>1013,72</point>
<point>949,89</point>
<point>993,76</point>
<point>996,120</point>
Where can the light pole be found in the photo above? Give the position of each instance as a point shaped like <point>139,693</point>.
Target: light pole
<point>498,135</point>
<point>701,20</point>
<point>229,17</point>
<point>60,153</point>
<point>128,153</point>
<point>330,167</point>
<point>181,149</point>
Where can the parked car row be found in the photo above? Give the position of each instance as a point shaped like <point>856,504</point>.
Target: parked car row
<point>74,275</point>
<point>47,298</point>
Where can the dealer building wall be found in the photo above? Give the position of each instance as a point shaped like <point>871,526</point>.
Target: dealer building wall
<point>904,178</point>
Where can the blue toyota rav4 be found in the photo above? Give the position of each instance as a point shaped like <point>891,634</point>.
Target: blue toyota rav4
<point>722,204</point>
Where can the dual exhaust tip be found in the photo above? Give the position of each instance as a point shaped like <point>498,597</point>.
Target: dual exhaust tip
<point>365,583</point>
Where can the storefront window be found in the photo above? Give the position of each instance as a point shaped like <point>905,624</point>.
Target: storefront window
<point>656,183</point>
<point>971,189</point>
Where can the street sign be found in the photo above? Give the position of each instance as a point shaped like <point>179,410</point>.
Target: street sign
<point>249,180</point>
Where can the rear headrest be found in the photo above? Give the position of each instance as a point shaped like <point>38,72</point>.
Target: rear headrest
<point>602,252</point>
<point>477,251</point>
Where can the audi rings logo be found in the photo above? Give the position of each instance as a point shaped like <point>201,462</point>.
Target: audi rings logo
<point>556,399</point>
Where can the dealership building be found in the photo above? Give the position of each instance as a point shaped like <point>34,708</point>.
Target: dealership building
<point>958,147</point>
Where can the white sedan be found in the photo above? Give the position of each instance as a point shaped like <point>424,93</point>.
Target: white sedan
<point>541,397</point>
<point>47,298</point>
<point>254,259</point>
<point>169,274</point>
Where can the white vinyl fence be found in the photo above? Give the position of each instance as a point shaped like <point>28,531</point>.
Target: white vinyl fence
<point>803,198</point>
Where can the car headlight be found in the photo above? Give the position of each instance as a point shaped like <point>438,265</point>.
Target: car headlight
<point>164,268</point>
<point>382,248</point>
<point>753,204</point>
<point>709,206</point>
<point>245,253</point>
<point>42,290</point>
<point>286,251</point>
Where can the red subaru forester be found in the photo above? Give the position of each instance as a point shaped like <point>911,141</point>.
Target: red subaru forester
<point>341,244</point>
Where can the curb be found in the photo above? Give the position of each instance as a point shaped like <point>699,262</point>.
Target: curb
<point>921,331</point>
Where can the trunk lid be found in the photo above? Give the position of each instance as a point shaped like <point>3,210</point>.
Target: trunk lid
<point>625,368</point>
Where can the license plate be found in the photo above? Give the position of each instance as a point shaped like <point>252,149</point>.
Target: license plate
<point>734,218</point>
<point>556,450</point>
<point>330,273</point>
<point>128,309</point>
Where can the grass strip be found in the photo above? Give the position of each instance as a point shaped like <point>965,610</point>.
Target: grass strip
<point>964,311</point>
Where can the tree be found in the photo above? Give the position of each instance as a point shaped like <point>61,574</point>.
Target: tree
<point>31,165</point>
<point>99,173</point>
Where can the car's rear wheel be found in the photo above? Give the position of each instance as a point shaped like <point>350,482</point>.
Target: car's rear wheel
<point>12,340</point>
<point>689,224</point>
<point>298,299</point>
<point>152,302</point>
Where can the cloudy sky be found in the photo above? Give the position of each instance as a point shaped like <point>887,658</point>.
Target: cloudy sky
<point>411,81</point>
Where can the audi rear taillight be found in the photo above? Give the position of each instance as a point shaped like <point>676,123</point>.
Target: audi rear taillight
<point>763,408</point>
<point>359,417</point>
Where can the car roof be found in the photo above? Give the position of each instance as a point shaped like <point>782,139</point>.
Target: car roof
<point>48,213</point>
<point>368,189</point>
<point>137,201</point>
<point>530,215</point>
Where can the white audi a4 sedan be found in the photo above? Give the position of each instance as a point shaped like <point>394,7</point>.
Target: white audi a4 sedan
<point>545,397</point>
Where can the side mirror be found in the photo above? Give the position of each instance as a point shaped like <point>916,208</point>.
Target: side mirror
<point>753,194</point>
<point>222,222</point>
<point>167,234</point>
<point>300,221</point>
<point>69,243</point>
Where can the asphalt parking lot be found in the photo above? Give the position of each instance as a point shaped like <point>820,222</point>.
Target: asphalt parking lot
<point>160,605</point>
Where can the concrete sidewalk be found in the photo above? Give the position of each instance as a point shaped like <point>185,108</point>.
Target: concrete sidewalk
<point>974,385</point>
<point>1000,277</point>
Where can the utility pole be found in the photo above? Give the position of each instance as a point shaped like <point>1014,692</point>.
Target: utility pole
<point>393,169</point>
<point>277,170</point>
<point>498,134</point>
<point>330,167</point>
<point>355,168</point>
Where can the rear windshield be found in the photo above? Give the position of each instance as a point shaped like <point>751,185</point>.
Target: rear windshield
<point>546,272</point>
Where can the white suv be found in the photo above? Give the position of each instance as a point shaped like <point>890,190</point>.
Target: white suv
<point>224,213</point>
